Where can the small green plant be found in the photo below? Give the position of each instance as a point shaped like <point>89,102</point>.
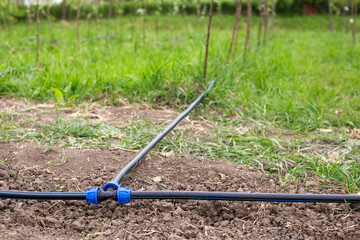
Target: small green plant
<point>60,97</point>
<point>13,173</point>
<point>59,187</point>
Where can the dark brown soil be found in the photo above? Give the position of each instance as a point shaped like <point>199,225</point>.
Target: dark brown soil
<point>25,166</point>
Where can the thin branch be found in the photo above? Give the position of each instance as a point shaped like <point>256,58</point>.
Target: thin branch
<point>266,20</point>
<point>37,32</point>
<point>108,25</point>
<point>260,21</point>
<point>78,25</point>
<point>272,18</point>
<point>208,38</point>
<point>331,24</point>
<point>235,30</point>
<point>248,28</point>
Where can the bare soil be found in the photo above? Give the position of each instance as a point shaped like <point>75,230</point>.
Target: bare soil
<point>47,113</point>
<point>28,166</point>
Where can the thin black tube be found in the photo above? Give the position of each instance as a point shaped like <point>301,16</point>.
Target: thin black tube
<point>133,163</point>
<point>239,196</point>
<point>43,195</point>
<point>228,196</point>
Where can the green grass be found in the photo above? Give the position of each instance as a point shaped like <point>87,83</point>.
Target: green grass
<point>305,78</point>
<point>258,145</point>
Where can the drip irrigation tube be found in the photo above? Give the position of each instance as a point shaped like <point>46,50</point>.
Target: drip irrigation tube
<point>114,184</point>
<point>43,195</point>
<point>125,195</point>
<point>240,196</point>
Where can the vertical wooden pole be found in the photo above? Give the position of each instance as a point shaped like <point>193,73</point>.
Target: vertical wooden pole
<point>37,32</point>
<point>353,20</point>
<point>266,20</point>
<point>144,20</point>
<point>3,17</point>
<point>260,21</point>
<point>273,6</point>
<point>331,24</point>
<point>208,38</point>
<point>48,16</point>
<point>248,28</point>
<point>108,24</point>
<point>235,29</point>
<point>78,25</point>
<point>237,32</point>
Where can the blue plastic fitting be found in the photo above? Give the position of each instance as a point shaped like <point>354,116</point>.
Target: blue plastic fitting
<point>92,195</point>
<point>111,183</point>
<point>123,195</point>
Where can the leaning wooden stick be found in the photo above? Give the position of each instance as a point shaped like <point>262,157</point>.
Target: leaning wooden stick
<point>208,38</point>
<point>248,28</point>
<point>235,30</point>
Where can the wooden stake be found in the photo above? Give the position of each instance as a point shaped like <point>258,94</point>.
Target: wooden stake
<point>208,38</point>
<point>266,20</point>
<point>78,25</point>
<point>169,21</point>
<point>37,32</point>
<point>144,20</point>
<point>248,28</point>
<point>48,16</point>
<point>331,24</point>
<point>3,18</point>
<point>272,18</point>
<point>355,17</point>
<point>353,20</point>
<point>260,21</point>
<point>235,30</point>
<point>108,24</point>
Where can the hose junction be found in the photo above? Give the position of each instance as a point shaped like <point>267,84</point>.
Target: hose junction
<point>113,190</point>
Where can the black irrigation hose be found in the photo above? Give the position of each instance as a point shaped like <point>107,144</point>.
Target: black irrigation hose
<point>133,163</point>
<point>43,195</point>
<point>239,196</point>
<point>187,195</point>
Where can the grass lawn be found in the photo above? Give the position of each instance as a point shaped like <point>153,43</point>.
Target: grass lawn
<point>288,108</point>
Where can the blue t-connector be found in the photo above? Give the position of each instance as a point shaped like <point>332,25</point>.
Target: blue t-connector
<point>111,183</point>
<point>123,195</point>
<point>92,195</point>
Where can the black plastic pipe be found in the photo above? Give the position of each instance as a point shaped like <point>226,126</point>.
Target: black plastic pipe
<point>133,163</point>
<point>239,196</point>
<point>187,195</point>
<point>43,195</point>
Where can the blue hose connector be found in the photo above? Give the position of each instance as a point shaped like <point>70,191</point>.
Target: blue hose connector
<point>92,195</point>
<point>111,183</point>
<point>123,195</point>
